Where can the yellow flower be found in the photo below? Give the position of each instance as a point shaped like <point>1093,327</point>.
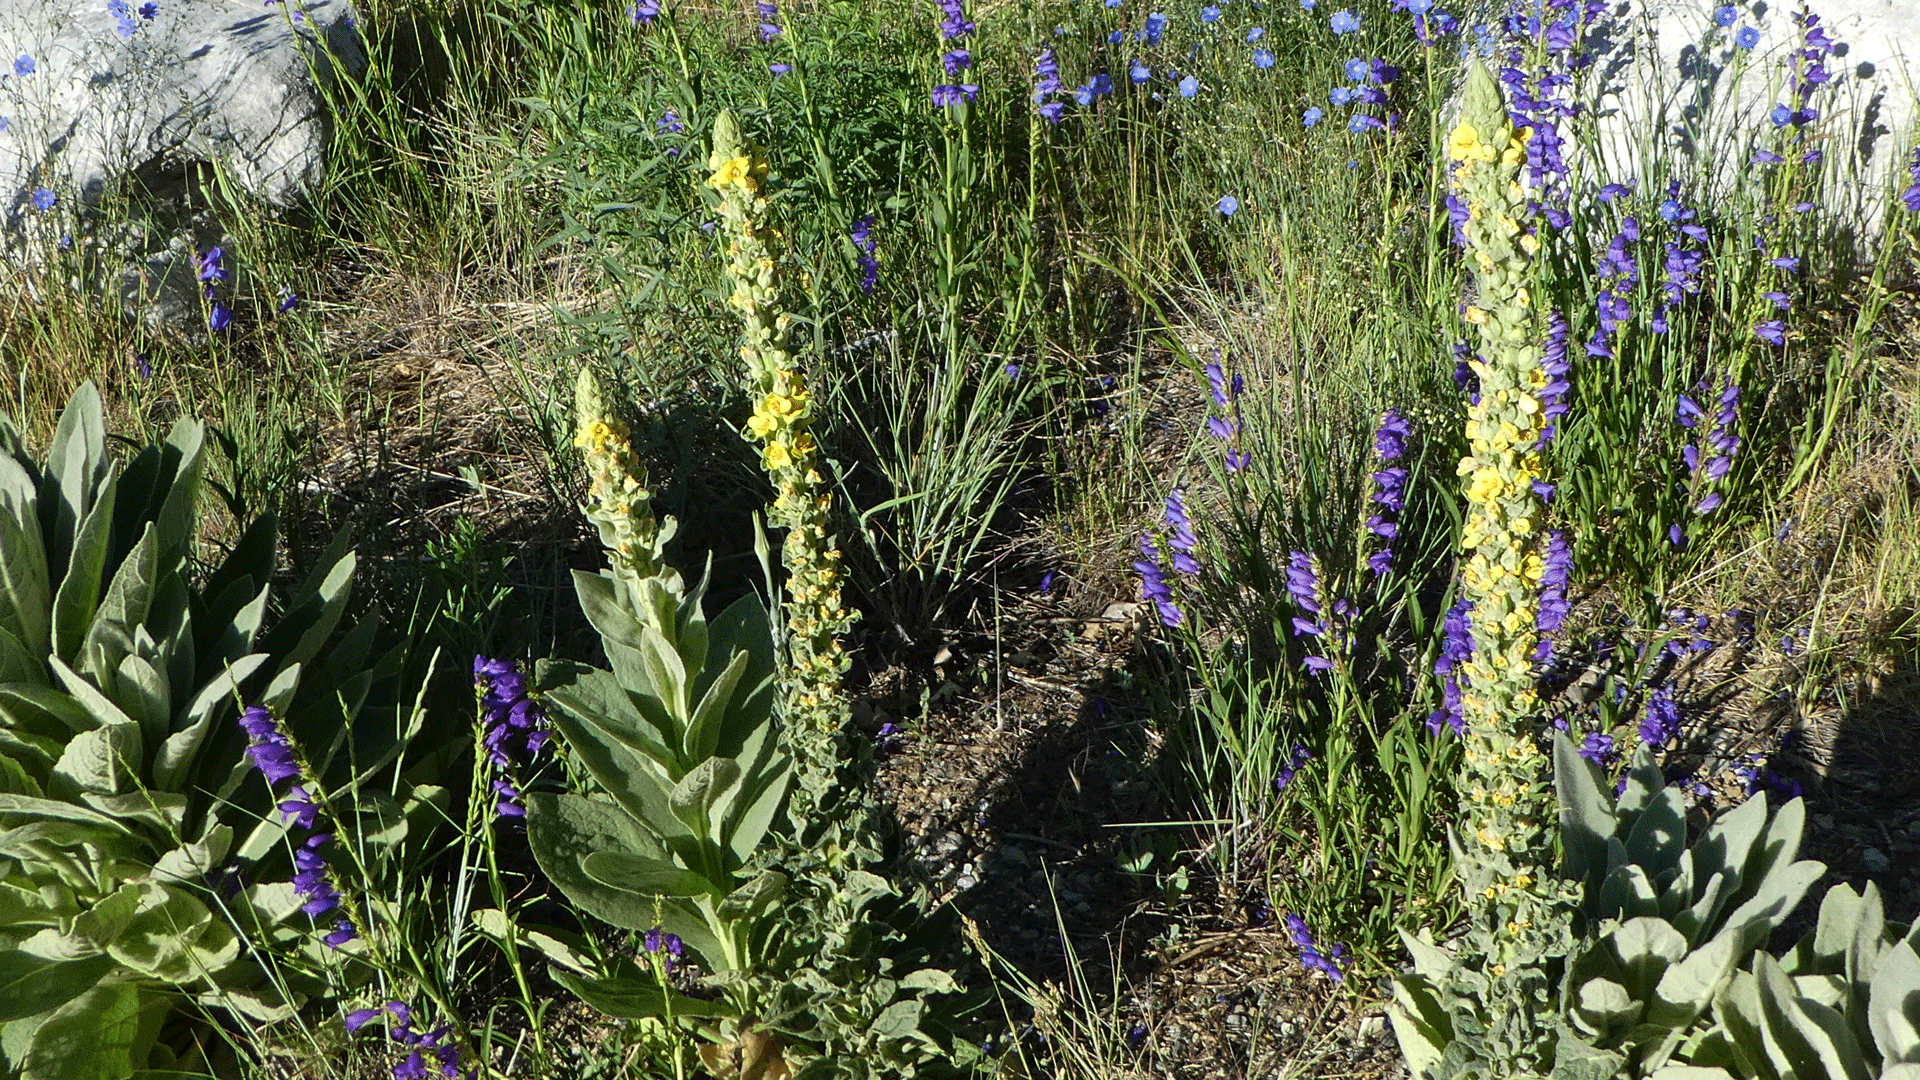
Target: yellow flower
<point>1464,142</point>
<point>732,171</point>
<point>1486,486</point>
<point>777,456</point>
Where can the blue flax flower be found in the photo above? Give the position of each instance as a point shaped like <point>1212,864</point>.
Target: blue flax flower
<point>1155,25</point>
<point>1256,34</point>
<point>1209,14</point>
<point>1229,205</point>
<point>1747,38</point>
<point>1345,22</point>
<point>1189,86</point>
<point>1313,115</point>
<point>1139,72</point>
<point>1725,15</point>
<point>1262,59</point>
<point>43,199</point>
<point>24,65</point>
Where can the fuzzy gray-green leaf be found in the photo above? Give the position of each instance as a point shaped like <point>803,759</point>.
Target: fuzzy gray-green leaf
<point>1893,1005</point>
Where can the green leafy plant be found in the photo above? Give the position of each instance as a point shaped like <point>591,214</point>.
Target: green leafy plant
<point>1844,1003</point>
<point>122,790</point>
<point>1671,978</point>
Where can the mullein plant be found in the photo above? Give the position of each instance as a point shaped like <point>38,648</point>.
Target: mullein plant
<point>1496,989</point>
<point>783,413</point>
<point>845,988</point>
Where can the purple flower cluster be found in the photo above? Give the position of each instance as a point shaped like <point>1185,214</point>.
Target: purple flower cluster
<point>515,726</point>
<point>1660,719</point>
<point>1308,590</point>
<point>1598,749</point>
<point>1370,78</point>
<point>1225,424</point>
<point>273,754</point>
<point>1542,50</point>
<point>212,268</point>
<point>667,947</point>
<point>1154,585</point>
<point>1556,565</point>
<point>955,27</point>
<point>1097,87</point>
<point>123,16</point>
<point>1757,774</point>
<point>1911,196</point>
<point>864,243</point>
<point>420,1045</point>
<point>769,11</point>
<point>643,12</point>
<point>1807,68</point>
<point>1456,646</point>
<point>1328,962</point>
<point>1183,541</point>
<point>1684,262</point>
<point>1718,438</point>
<point>1296,761</point>
<point>1682,642</point>
<point>1389,487</point>
<point>1618,277</point>
<point>1046,84</point>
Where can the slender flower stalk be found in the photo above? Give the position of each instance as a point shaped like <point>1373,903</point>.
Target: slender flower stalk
<point>816,707</point>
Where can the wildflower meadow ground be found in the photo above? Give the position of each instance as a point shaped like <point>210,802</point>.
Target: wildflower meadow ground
<point>1085,539</point>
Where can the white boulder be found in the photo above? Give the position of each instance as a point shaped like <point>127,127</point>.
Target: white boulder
<point>117,112</point>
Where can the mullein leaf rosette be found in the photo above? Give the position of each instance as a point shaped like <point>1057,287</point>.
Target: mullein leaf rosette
<point>1497,986</point>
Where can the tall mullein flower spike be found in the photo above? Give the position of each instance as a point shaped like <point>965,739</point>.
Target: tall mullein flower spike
<point>1505,845</point>
<point>782,414</point>
<point>617,495</point>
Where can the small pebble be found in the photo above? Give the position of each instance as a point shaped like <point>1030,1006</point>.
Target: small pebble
<point>1874,861</point>
<point>964,882</point>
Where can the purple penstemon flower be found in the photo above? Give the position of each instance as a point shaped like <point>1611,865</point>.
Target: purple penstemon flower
<point>1328,962</point>
<point>1456,646</point>
<point>1710,459</point>
<point>1556,568</point>
<point>514,727</point>
<point>1554,364</point>
<point>1154,585</point>
<point>1598,748</point>
<point>270,750</point>
<point>1296,761</point>
<point>1660,719</point>
<point>1389,487</point>
<point>864,245</point>
<point>1308,590</point>
<point>1183,541</point>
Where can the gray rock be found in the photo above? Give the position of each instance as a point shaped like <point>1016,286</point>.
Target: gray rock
<point>1670,89</point>
<point>1874,861</point>
<point>128,130</point>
